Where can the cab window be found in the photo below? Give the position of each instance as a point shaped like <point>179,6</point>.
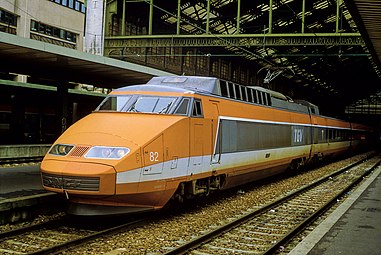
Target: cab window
<point>197,108</point>
<point>113,103</point>
<point>182,109</point>
<point>152,104</point>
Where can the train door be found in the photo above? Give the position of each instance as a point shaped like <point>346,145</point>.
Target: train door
<point>216,135</point>
<point>196,138</point>
<point>150,181</point>
<point>153,157</point>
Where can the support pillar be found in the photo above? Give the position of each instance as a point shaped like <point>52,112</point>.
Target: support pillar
<point>123,32</point>
<point>178,17</point>
<point>303,15</point>
<point>150,17</point>
<point>62,108</point>
<point>238,16</point>
<point>207,16</point>
<point>337,15</point>
<point>271,17</point>
<point>17,120</point>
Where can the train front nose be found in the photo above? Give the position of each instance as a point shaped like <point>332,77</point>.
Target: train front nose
<point>73,177</point>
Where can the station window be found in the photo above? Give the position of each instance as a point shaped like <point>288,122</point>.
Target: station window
<point>224,70</point>
<point>77,6</point>
<point>41,28</point>
<point>53,31</point>
<point>8,18</point>
<point>72,4</point>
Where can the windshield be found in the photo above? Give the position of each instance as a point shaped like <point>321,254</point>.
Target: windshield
<point>143,104</point>
<point>113,103</point>
<point>151,104</point>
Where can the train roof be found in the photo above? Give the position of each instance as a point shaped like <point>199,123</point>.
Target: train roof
<point>223,88</point>
<point>194,83</point>
<point>273,93</point>
<point>154,88</point>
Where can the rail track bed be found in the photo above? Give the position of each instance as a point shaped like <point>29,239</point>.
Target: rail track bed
<point>267,229</point>
<point>59,234</point>
<point>178,230</point>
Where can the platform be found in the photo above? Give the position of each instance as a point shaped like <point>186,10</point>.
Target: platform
<point>20,181</point>
<point>21,194</point>
<point>353,228</point>
<point>23,151</point>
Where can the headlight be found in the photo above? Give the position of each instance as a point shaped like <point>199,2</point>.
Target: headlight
<point>102,152</point>
<point>61,149</point>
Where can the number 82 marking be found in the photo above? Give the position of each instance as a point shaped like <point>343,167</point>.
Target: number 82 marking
<point>154,156</point>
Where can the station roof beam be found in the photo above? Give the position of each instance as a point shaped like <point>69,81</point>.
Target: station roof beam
<point>318,39</point>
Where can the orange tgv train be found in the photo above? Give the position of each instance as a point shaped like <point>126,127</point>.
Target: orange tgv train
<point>183,136</point>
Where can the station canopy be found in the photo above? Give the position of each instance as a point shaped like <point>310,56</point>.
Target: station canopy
<point>329,48</point>
<point>326,46</point>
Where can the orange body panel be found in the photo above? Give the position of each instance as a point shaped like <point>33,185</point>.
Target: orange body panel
<point>106,174</point>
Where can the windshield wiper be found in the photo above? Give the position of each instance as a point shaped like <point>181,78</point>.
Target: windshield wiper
<point>165,108</point>
<point>132,108</point>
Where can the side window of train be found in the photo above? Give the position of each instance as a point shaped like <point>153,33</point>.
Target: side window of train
<point>182,109</point>
<point>197,108</point>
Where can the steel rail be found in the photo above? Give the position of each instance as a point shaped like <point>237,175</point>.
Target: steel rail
<point>319,212</point>
<point>62,222</point>
<point>80,241</point>
<point>213,234</point>
<point>22,230</point>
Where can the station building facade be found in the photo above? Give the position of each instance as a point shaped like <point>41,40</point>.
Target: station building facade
<point>59,22</point>
<point>29,113</point>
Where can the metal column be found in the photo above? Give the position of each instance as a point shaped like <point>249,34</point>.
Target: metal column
<point>123,32</point>
<point>207,16</point>
<point>178,17</point>
<point>337,15</point>
<point>238,16</point>
<point>62,107</point>
<point>303,15</point>
<point>271,17</point>
<point>150,17</point>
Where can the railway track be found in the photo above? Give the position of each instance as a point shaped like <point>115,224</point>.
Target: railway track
<point>58,235</point>
<point>267,229</point>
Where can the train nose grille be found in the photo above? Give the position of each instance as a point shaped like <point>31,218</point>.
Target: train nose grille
<point>79,151</point>
<point>71,182</point>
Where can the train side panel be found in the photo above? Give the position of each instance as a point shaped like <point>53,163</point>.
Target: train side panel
<point>331,137</point>
<point>254,142</point>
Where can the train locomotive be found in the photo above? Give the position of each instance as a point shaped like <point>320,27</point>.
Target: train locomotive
<point>178,137</point>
